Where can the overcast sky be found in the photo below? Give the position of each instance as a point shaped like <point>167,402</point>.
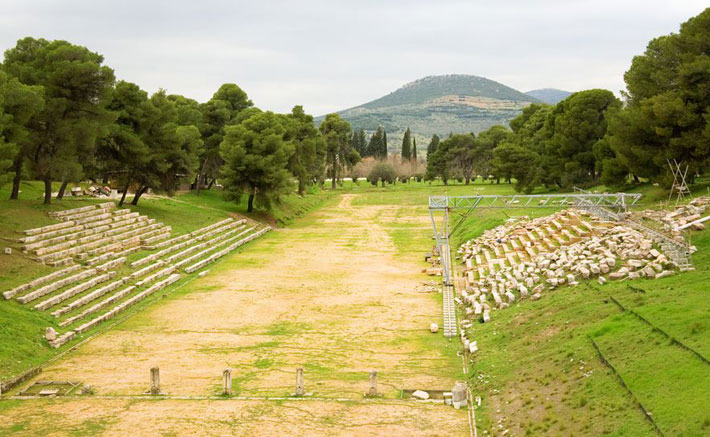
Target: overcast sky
<point>329,55</point>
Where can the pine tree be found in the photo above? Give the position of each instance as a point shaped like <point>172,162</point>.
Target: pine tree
<point>407,145</point>
<point>375,145</point>
<point>433,145</point>
<point>362,140</point>
<point>414,149</point>
<point>383,152</point>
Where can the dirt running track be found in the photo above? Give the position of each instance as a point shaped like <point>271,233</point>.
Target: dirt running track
<point>330,294</point>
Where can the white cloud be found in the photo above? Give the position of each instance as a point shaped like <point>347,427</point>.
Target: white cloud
<point>330,55</point>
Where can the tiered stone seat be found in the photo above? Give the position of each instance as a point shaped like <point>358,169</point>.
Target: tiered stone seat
<point>84,296</point>
<point>226,251</point>
<point>39,281</point>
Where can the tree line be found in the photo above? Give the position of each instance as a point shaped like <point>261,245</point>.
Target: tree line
<point>64,118</point>
<point>592,137</point>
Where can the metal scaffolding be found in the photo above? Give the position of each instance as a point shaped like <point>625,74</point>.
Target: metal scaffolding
<point>605,205</point>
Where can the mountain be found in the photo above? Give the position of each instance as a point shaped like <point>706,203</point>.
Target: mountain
<point>551,96</point>
<point>439,105</point>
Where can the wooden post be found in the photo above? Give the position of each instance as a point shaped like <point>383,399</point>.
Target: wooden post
<point>227,382</point>
<point>372,392</point>
<point>155,381</point>
<point>300,390</point>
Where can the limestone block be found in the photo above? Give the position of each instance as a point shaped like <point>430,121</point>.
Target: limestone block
<point>601,280</point>
<point>434,328</point>
<point>664,274</point>
<point>50,334</point>
<point>420,394</point>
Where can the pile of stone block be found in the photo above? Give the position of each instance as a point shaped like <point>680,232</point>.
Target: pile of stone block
<point>681,215</point>
<point>523,258</point>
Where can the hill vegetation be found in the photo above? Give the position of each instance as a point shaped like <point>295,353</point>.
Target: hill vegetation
<point>454,103</point>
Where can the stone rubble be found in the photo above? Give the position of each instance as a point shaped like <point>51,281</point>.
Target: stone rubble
<point>522,259</point>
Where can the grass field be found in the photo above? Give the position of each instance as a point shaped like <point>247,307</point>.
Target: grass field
<point>539,370</point>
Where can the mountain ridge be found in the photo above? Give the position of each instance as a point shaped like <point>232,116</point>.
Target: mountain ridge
<point>452,103</point>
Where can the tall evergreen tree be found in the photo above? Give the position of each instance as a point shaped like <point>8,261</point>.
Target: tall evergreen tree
<point>336,133</point>
<point>668,111</point>
<point>374,148</point>
<point>433,145</point>
<point>18,104</point>
<point>220,111</point>
<point>362,141</point>
<point>407,145</point>
<point>77,87</point>
<point>383,151</point>
<point>414,149</point>
<point>308,159</point>
<point>255,154</point>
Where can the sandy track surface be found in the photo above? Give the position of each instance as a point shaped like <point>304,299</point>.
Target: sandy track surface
<point>328,294</point>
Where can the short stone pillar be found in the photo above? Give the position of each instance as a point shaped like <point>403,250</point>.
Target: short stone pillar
<point>155,381</point>
<point>372,391</point>
<point>458,394</point>
<point>300,389</point>
<point>227,382</point>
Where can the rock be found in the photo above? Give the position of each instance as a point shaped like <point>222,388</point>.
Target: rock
<point>50,334</point>
<point>433,271</point>
<point>649,272</point>
<point>536,296</point>
<point>664,274</point>
<point>698,226</point>
<point>486,316</point>
<point>434,328</point>
<point>8,251</point>
<point>601,280</point>
<point>617,275</point>
<point>420,394</point>
<point>635,263</point>
<point>472,347</point>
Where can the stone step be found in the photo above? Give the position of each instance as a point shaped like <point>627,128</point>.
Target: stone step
<point>39,281</point>
<point>56,286</point>
<point>73,291</point>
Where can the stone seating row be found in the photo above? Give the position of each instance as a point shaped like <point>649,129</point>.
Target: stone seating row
<point>212,258</point>
<point>186,240</point>
<point>73,291</point>
<point>69,212</point>
<point>128,303</point>
<point>101,291</point>
<point>39,281</point>
<point>211,248</point>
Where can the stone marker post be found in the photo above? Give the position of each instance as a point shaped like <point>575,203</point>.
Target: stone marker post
<point>300,390</point>
<point>459,394</point>
<point>372,392</point>
<point>227,382</point>
<point>155,381</point>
